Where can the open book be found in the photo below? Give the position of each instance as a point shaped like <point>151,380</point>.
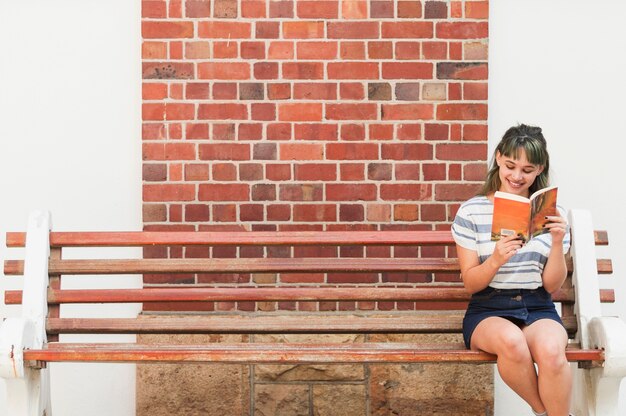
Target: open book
<point>514,214</point>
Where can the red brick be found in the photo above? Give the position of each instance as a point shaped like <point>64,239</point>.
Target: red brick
<point>435,9</point>
<point>301,192</point>
<point>436,131</point>
<point>278,212</point>
<point>223,70</point>
<point>315,91</point>
<point>315,172</point>
<point>223,132</point>
<point>281,50</point>
<point>354,9</point>
<point>263,111</point>
<point>380,50</point>
<point>303,29</point>
<point>351,151</point>
<point>224,172</point>
<point>351,213</point>
<point>407,50</point>
<point>353,30</point>
<point>167,70</point>
<point>176,50</point>
<point>378,213</point>
<point>406,212</point>
<point>381,131</point>
<point>434,171</point>
<point>224,30</point>
<point>197,212</point>
<point>197,8</point>
<point>266,70</point>
<point>352,171</point>
<point>154,172</point>
<point>407,111</point>
<point>253,9</point>
<point>300,112</point>
<point>475,91</point>
<point>153,131</point>
<point>224,192</point>
<point>197,91</point>
<point>196,131</point>
<point>225,9</point>
<point>267,30</point>
<point>462,70</point>
<point>281,8</point>
<point>317,50</point>
<point>278,172</point>
<point>410,30</point>
<point>352,50</point>
<point>154,50</point>
<point>315,212</point>
<point>352,132</point>
<point>462,30</point>
<point>409,9</point>
<point>315,9</point>
<point>351,111</point>
<point>475,132</point>
<point>381,8</point>
<point>462,111</point>
<point>474,171</point>
<point>166,30</point>
<point>154,213</point>
<point>278,131</point>
<point>432,212</point>
<point>409,131</point>
<point>168,111</point>
<point>407,70</point>
<point>224,151</point>
<point>250,131</point>
<point>154,9</point>
<point>224,91</point>
<point>353,70</point>
<point>351,192</point>
<point>225,50</point>
<point>477,10</point>
<point>222,112</point>
<point>461,152</point>
<point>250,171</point>
<point>176,91</point>
<point>316,131</point>
<point>168,192</point>
<point>279,91</point>
<point>196,172</point>
<point>456,9</point>
<point>153,91</point>
<point>351,91</point>
<point>408,171</point>
<point>456,50</point>
<point>405,192</point>
<point>252,50</point>
<point>251,212</point>
<point>175,9</point>
<point>263,192</point>
<point>301,151</point>
<point>407,151</point>
<point>379,171</point>
<point>456,191</point>
<point>434,50</point>
<point>303,70</point>
<point>224,213</point>
<point>454,91</point>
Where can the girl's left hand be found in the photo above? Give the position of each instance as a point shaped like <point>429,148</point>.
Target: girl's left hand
<point>557,227</point>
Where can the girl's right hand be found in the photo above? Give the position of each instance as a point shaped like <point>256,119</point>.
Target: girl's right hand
<point>506,248</point>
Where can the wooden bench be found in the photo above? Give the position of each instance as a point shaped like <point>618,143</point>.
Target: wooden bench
<point>390,304</point>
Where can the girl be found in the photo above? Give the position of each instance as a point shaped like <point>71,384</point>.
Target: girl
<point>511,313</point>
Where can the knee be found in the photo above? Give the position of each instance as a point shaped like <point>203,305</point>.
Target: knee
<point>551,357</point>
<point>513,346</point>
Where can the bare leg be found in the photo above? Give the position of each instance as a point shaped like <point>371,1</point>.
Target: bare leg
<point>547,340</point>
<point>515,363</point>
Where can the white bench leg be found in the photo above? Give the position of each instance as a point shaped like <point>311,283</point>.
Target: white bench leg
<point>28,390</point>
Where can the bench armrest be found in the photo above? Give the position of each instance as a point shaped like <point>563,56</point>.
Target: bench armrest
<point>609,334</point>
<point>16,334</point>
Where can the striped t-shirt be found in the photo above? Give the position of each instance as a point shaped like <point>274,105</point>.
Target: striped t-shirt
<point>472,230</point>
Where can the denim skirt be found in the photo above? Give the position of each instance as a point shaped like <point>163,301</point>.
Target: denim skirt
<point>520,306</point>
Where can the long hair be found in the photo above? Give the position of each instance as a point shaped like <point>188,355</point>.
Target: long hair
<point>519,137</point>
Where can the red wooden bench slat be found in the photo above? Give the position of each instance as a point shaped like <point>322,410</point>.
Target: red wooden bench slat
<point>293,353</point>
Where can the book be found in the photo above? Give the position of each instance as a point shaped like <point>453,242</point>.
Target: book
<point>525,217</point>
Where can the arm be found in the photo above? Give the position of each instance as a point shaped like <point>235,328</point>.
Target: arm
<point>555,270</point>
<point>477,276</point>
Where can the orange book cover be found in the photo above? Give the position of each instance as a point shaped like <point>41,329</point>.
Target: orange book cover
<point>525,217</point>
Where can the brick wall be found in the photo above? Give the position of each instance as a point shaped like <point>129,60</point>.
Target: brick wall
<point>296,115</point>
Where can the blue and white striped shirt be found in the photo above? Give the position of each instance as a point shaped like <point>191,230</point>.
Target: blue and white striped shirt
<point>472,230</point>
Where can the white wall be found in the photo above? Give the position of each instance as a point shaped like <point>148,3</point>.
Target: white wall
<point>70,117</point>
<point>559,64</point>
<point>70,80</point>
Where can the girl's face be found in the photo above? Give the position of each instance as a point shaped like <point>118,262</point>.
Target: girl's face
<point>517,175</point>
